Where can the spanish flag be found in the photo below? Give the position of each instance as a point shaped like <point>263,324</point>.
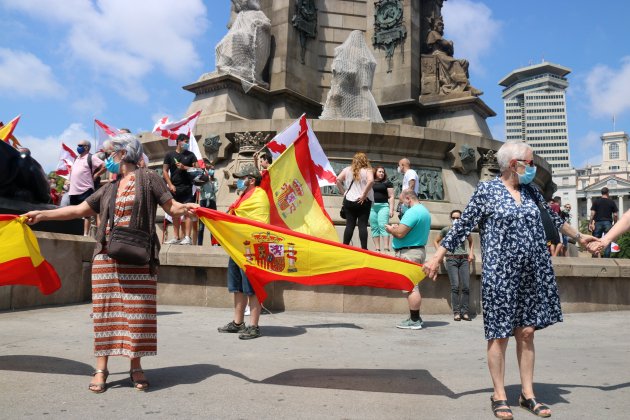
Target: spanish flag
<point>268,253</point>
<point>20,260</point>
<point>6,131</point>
<point>295,198</point>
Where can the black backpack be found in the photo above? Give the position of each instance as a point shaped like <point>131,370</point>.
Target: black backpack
<point>97,181</point>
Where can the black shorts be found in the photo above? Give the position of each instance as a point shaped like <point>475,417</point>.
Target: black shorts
<point>184,196</point>
<point>78,199</point>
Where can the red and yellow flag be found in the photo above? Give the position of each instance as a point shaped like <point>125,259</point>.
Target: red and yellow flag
<point>268,253</point>
<point>295,199</point>
<point>20,260</point>
<point>6,131</point>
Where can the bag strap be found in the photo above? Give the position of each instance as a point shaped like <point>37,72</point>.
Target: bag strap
<point>112,204</point>
<point>346,193</point>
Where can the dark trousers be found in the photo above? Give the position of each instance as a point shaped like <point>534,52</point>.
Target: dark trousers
<point>459,275</point>
<point>209,204</point>
<point>357,214</point>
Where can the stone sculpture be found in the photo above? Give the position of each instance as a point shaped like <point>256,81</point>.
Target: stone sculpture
<point>489,166</point>
<point>244,50</point>
<point>350,95</point>
<point>305,22</point>
<point>442,73</point>
<point>389,29</point>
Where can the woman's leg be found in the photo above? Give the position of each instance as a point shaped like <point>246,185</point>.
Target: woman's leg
<point>351,222</point>
<point>496,365</point>
<point>526,356</point>
<point>364,216</point>
<point>383,219</point>
<point>376,234</point>
<point>137,375</point>
<point>99,378</point>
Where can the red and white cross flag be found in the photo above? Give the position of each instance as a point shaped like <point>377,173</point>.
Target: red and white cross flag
<point>170,130</point>
<point>66,159</point>
<point>103,132</point>
<point>323,169</point>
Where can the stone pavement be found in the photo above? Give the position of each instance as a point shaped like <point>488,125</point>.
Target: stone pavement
<point>308,366</point>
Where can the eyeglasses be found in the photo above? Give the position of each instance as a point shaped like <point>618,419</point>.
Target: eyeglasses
<point>526,162</point>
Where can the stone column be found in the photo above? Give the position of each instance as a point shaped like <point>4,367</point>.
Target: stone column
<point>588,207</point>
<point>620,205</point>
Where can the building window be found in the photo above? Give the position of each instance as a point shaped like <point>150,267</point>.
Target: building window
<point>613,151</point>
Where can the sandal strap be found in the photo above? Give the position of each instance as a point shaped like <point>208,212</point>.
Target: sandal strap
<point>139,370</point>
<point>531,403</point>
<point>103,371</point>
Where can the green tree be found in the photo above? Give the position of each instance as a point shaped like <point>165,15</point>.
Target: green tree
<point>624,245</point>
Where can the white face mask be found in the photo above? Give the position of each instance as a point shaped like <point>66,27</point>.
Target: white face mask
<point>399,170</point>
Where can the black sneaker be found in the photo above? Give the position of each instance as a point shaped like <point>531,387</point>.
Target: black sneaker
<point>232,327</point>
<point>250,333</point>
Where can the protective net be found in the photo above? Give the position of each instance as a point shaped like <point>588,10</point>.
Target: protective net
<point>244,50</point>
<point>350,95</point>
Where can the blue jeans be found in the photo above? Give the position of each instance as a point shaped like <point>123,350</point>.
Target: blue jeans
<point>237,280</point>
<point>458,274</point>
<point>601,228</point>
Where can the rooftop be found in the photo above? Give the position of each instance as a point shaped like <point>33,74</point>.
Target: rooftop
<point>530,71</point>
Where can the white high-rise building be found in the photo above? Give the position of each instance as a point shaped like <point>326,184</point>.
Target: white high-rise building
<point>535,111</point>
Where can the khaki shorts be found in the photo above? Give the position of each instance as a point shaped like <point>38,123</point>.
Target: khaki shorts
<point>417,255</point>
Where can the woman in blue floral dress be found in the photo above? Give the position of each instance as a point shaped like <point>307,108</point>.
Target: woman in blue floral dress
<point>519,290</point>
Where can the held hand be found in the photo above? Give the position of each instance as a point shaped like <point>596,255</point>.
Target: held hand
<point>391,214</point>
<point>587,239</point>
<point>594,247</point>
<point>361,200</point>
<point>33,217</point>
<point>180,165</point>
<point>172,188</point>
<point>190,208</point>
<point>471,257</point>
<point>431,268</point>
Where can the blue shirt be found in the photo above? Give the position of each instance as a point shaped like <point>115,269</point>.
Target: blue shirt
<point>419,220</point>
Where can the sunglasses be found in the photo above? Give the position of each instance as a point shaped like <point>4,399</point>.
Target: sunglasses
<point>526,162</point>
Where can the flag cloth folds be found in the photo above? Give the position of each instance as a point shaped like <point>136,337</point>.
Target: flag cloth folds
<point>66,159</point>
<point>21,263</point>
<point>103,133</point>
<point>268,253</point>
<point>6,131</point>
<point>170,130</point>
<point>295,199</point>
<point>281,142</point>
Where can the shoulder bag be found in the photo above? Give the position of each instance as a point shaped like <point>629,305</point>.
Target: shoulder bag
<point>342,212</point>
<point>127,245</point>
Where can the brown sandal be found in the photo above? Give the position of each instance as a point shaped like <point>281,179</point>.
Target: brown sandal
<point>141,385</point>
<point>99,387</point>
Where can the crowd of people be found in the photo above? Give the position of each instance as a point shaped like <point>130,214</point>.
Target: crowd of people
<point>519,290</point>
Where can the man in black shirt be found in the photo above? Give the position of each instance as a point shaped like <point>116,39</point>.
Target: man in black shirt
<point>603,215</point>
<point>176,163</point>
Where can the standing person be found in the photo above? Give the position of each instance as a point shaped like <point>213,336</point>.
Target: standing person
<point>355,181</point>
<point>86,170</point>
<point>410,238</point>
<point>519,290</point>
<point>123,295</point>
<point>410,181</point>
<point>565,214</point>
<point>458,269</point>
<point>176,163</point>
<point>208,195</point>
<point>264,160</point>
<point>382,209</point>
<point>251,204</point>
<point>603,215</point>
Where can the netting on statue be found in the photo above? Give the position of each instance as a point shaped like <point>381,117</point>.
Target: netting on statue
<point>350,95</point>
<point>244,50</point>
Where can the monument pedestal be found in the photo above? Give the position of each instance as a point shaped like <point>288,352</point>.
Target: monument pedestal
<point>461,113</point>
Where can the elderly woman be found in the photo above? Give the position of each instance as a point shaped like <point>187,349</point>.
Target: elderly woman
<point>519,290</point>
<point>355,182</point>
<point>123,295</point>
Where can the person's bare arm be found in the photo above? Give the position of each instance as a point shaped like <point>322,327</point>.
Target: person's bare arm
<point>398,231</point>
<point>471,250</point>
<point>167,177</point>
<point>62,213</point>
<point>390,200</point>
<point>368,187</point>
<point>438,239</point>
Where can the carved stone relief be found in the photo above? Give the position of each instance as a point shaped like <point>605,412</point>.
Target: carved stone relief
<point>489,166</point>
<point>245,144</point>
<point>305,22</point>
<point>389,29</point>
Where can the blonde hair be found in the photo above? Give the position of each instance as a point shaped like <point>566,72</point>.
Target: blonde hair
<point>359,161</point>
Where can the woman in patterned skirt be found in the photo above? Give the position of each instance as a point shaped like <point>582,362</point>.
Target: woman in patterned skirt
<point>123,295</point>
<point>519,290</point>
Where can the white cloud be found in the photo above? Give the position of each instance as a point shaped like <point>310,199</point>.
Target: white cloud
<point>46,150</point>
<point>23,74</point>
<point>608,89</point>
<point>123,41</point>
<point>472,28</point>
<point>90,104</point>
<point>587,150</point>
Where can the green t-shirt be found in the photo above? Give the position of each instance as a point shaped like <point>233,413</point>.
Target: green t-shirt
<point>461,249</point>
<point>419,221</point>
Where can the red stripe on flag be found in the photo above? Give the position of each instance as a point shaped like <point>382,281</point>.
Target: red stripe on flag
<point>21,271</point>
<point>306,165</point>
<point>6,217</point>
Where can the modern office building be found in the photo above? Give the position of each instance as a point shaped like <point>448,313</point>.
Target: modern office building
<point>535,111</point>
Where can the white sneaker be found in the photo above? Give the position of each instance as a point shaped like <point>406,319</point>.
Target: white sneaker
<point>173,241</point>
<point>247,311</point>
<point>186,241</point>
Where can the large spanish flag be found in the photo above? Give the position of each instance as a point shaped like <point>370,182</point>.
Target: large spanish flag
<point>20,259</point>
<point>6,131</point>
<point>268,253</point>
<point>295,199</point>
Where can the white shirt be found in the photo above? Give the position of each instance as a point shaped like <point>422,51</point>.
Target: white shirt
<point>356,190</point>
<point>409,175</point>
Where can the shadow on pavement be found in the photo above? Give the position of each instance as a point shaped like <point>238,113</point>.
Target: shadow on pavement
<point>434,324</point>
<point>281,331</point>
<point>160,313</point>
<point>44,364</point>
<point>415,382</point>
<point>167,377</point>
<point>333,325</point>
<point>548,393</point>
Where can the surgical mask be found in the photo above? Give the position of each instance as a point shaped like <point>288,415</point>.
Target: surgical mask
<point>528,176</point>
<point>399,169</point>
<point>185,146</point>
<point>111,166</point>
<point>211,172</point>
<point>80,149</point>
<point>240,184</point>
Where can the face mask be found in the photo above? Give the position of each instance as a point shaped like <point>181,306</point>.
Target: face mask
<point>80,149</point>
<point>528,176</point>
<point>211,172</point>
<point>399,169</point>
<point>111,166</point>
<point>240,184</point>
<point>185,146</point>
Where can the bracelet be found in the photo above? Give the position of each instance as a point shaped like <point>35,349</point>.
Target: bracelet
<point>578,236</point>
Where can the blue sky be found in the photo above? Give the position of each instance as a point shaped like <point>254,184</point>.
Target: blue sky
<point>124,62</point>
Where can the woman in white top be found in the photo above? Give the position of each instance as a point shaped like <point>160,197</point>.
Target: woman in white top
<point>357,179</point>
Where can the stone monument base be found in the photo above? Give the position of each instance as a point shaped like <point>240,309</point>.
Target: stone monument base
<point>461,113</point>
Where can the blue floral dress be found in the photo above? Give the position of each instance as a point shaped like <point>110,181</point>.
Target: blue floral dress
<point>518,283</point>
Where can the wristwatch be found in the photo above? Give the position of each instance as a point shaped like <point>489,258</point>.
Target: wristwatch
<point>578,236</point>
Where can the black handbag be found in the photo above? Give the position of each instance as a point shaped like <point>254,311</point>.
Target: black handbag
<point>127,245</point>
<point>342,211</point>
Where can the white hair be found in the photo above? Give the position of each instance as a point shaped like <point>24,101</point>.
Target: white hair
<point>511,149</point>
<point>127,142</point>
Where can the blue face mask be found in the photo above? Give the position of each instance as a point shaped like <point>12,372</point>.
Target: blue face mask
<point>211,172</point>
<point>185,146</point>
<point>240,184</point>
<point>528,176</point>
<point>111,166</point>
<point>80,149</point>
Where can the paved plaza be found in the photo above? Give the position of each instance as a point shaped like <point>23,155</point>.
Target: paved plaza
<point>307,366</point>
